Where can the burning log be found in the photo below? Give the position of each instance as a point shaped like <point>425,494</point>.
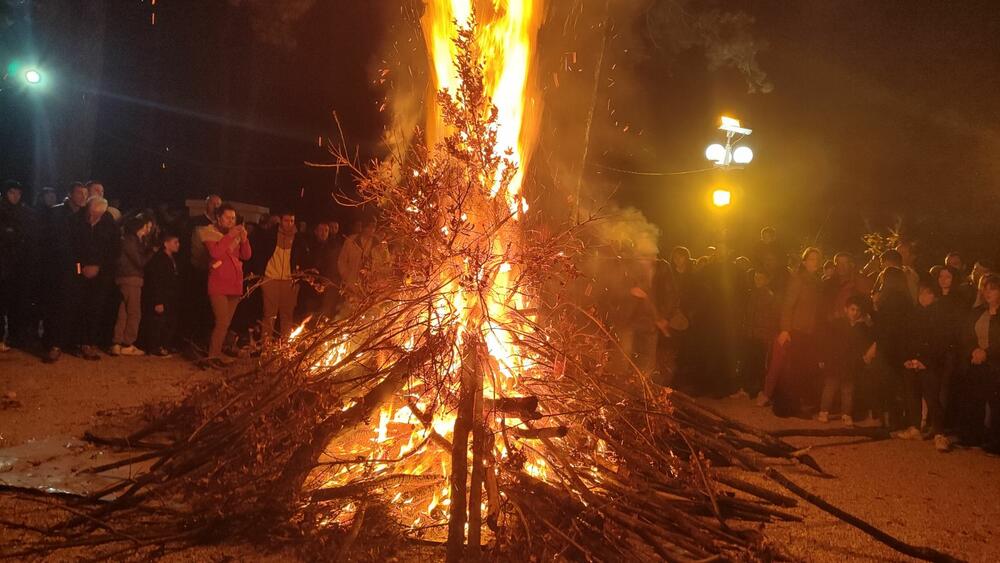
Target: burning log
<point>460,325</point>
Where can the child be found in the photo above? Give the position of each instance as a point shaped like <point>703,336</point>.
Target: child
<point>852,347</point>
<point>161,297</point>
<point>760,330</point>
<point>926,345</point>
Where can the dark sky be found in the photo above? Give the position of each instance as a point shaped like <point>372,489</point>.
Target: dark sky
<point>880,109</point>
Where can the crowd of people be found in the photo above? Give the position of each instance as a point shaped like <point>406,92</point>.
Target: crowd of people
<point>79,276</point>
<point>881,341</point>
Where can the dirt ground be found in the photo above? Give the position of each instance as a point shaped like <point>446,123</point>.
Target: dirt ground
<point>947,501</point>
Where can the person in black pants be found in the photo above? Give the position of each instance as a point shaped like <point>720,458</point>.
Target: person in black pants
<point>96,236</point>
<point>978,383</point>
<point>925,348</point>
<point>160,297</point>
<point>58,268</point>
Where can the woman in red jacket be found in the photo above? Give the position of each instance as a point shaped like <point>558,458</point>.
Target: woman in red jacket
<point>228,247</point>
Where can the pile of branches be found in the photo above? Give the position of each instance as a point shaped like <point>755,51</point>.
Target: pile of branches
<point>556,451</point>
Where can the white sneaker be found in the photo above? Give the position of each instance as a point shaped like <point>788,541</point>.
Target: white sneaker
<point>823,416</point>
<point>848,421</point>
<point>115,350</point>
<point>942,443</point>
<point>131,351</point>
<point>741,394</point>
<point>763,400</point>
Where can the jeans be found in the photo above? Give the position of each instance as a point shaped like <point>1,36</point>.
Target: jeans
<point>280,297</point>
<point>838,378</point>
<point>129,312</point>
<point>223,307</point>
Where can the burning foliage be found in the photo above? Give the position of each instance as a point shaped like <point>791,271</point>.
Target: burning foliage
<point>462,399</point>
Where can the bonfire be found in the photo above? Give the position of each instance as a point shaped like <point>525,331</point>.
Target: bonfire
<point>463,399</point>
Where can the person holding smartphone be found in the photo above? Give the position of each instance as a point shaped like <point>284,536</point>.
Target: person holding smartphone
<point>228,248</point>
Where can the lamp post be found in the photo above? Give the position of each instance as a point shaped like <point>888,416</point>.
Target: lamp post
<point>729,155</point>
<point>32,76</point>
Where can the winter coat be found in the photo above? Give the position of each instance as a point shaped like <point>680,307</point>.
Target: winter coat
<point>890,326</point>
<point>264,245</point>
<point>96,245</point>
<point>161,281</point>
<point>800,311</point>
<point>846,344</point>
<point>927,335</point>
<point>226,257</point>
<point>761,322</point>
<point>969,342</point>
<point>132,258</point>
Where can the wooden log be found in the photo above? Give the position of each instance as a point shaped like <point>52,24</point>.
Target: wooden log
<point>479,445</point>
<point>919,552</point>
<point>303,459</point>
<point>873,433</point>
<point>460,451</point>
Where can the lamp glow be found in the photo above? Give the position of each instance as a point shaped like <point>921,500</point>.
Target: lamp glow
<point>742,155</point>
<point>721,198</point>
<point>716,153</point>
<point>32,76</point>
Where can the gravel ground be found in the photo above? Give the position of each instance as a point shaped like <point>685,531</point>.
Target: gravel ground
<point>947,501</point>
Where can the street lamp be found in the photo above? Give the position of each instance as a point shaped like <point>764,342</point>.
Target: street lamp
<point>722,198</point>
<point>32,76</point>
<point>730,156</point>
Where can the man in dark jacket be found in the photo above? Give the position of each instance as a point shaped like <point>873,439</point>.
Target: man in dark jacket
<point>96,237</point>
<point>279,254</point>
<point>17,265</point>
<point>58,265</point>
<point>160,297</point>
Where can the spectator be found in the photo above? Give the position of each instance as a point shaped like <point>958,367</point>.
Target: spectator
<point>892,310</point>
<point>761,328</point>
<point>355,258</point>
<point>954,306</point>
<point>954,260</point>
<point>228,247</point>
<point>979,269</point>
<point>892,258</point>
<point>925,349</point>
<point>47,198</point>
<point>160,297</point>
<point>197,307</point>
<point>96,238</point>
<point>280,253</point>
<point>132,261</point>
<point>829,269</point>
<point>850,348</point>
<point>96,189</point>
<point>800,317</point>
<point>979,382</point>
<point>18,232</point>
<point>845,283</point>
<point>59,268</point>
<point>768,253</point>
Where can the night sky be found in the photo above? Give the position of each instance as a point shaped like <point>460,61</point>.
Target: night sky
<point>881,110</point>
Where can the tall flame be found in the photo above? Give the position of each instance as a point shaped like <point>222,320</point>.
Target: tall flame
<point>506,33</point>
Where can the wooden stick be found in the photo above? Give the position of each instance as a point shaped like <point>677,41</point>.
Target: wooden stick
<point>919,552</point>
<point>460,453</point>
